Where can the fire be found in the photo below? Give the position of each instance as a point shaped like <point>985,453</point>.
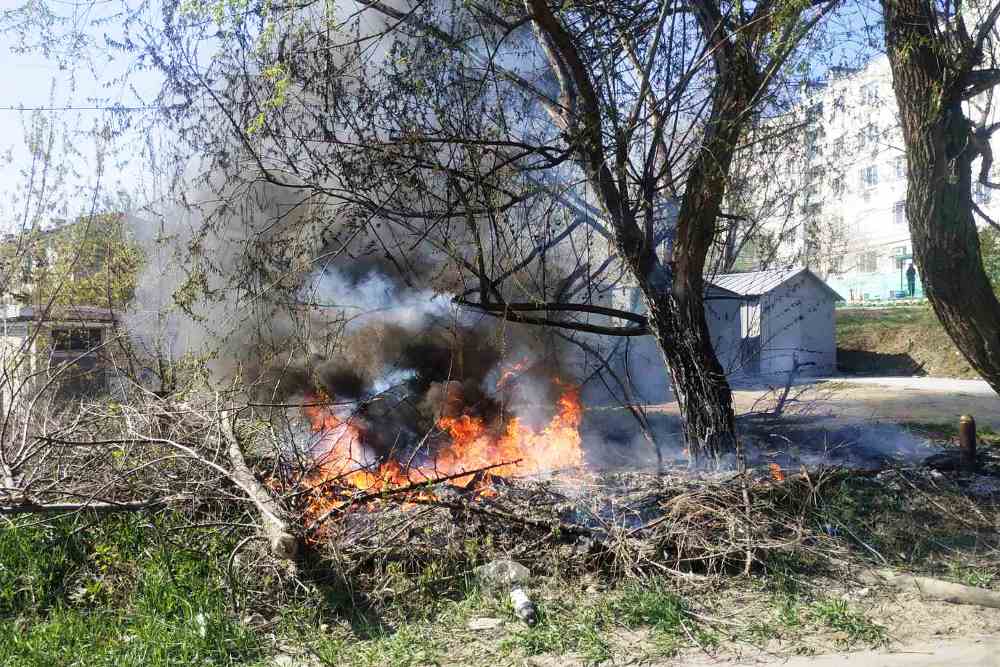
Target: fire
<point>511,373</point>
<point>474,446</point>
<point>777,474</point>
<point>470,444</point>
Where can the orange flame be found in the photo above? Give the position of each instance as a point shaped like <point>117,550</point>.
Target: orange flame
<point>511,373</point>
<point>472,445</point>
<point>777,474</point>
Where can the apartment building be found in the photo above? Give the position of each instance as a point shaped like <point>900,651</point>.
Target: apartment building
<point>845,217</point>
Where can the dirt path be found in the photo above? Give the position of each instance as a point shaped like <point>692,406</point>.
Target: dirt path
<point>968,652</point>
<point>889,399</point>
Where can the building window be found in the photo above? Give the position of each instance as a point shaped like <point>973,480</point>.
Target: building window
<point>982,194</point>
<point>899,167</point>
<point>813,210</point>
<point>869,176</point>
<point>899,213</point>
<point>27,267</point>
<point>812,143</point>
<point>75,340</point>
<point>901,256</point>
<point>789,235</point>
<point>868,136</point>
<point>868,262</point>
<point>869,94</point>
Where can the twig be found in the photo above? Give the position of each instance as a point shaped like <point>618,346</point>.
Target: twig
<point>497,514</point>
<point>103,507</point>
<point>388,493</point>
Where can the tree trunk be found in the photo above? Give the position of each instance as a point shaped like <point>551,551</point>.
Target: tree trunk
<point>676,307</point>
<point>939,155</point>
<point>699,382</point>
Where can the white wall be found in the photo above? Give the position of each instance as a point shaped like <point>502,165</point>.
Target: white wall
<point>723,317</point>
<point>779,330</point>
<point>17,361</point>
<point>797,325</point>
<point>646,368</point>
<point>819,337</point>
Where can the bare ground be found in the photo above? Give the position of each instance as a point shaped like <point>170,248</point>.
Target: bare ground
<point>883,399</point>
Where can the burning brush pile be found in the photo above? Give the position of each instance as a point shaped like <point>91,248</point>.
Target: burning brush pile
<point>504,472</point>
<point>428,438</point>
<point>467,451</point>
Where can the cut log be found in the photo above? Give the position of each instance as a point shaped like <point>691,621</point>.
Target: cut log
<point>944,591</point>
<point>284,544</point>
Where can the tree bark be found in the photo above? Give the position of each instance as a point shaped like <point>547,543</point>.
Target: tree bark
<point>676,306</point>
<point>699,381</point>
<point>931,82</point>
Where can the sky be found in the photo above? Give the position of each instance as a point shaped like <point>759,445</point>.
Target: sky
<point>72,98</point>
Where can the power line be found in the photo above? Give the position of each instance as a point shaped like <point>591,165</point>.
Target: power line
<point>113,107</point>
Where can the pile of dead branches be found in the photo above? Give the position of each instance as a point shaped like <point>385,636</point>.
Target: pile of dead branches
<point>221,464</point>
<point>617,524</point>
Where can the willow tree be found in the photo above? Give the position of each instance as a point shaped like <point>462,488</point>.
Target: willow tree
<point>511,139</point>
<point>943,60</point>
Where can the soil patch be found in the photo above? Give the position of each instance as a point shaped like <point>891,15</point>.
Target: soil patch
<point>897,341</point>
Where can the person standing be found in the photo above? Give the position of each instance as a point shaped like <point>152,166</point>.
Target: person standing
<point>911,279</point>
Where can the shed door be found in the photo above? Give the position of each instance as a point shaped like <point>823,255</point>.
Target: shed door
<point>750,337</point>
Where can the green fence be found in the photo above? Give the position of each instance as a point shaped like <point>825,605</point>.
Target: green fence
<point>875,287</point>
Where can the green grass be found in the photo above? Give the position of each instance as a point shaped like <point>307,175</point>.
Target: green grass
<point>584,628</point>
<point>848,319</point>
<point>839,615</point>
<point>111,594</point>
<point>407,645</point>
<point>973,575</point>
<point>132,590</point>
<point>985,434</point>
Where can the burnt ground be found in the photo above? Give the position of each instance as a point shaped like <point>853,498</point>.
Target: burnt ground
<point>862,423</point>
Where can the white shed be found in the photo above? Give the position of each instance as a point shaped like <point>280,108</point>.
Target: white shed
<point>641,355</point>
<point>786,318</point>
<point>762,324</point>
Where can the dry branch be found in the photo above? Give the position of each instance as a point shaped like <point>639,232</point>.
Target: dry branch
<point>64,508</point>
<point>284,543</point>
<point>401,491</point>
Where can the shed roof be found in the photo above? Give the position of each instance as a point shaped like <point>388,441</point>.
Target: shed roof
<point>81,314</point>
<point>756,283</point>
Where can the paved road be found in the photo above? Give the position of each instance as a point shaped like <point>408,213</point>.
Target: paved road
<point>972,652</point>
